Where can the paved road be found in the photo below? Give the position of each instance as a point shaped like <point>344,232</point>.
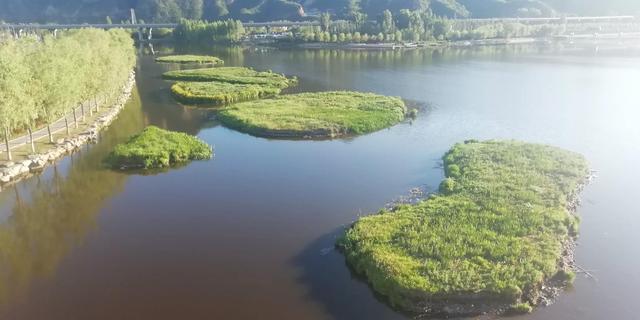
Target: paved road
<point>56,127</point>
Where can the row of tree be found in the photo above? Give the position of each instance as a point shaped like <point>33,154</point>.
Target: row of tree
<point>414,26</point>
<point>198,31</point>
<point>44,78</point>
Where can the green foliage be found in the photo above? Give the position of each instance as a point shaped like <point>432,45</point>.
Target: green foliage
<point>41,79</point>
<point>520,308</point>
<point>220,93</point>
<point>187,58</point>
<point>566,276</point>
<point>203,32</point>
<point>158,148</point>
<point>496,231</point>
<point>270,10</point>
<point>236,75</point>
<point>326,114</point>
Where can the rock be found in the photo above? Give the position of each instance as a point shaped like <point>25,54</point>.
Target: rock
<point>37,164</point>
<point>5,179</point>
<point>60,141</point>
<point>7,164</point>
<point>26,163</point>
<point>23,169</point>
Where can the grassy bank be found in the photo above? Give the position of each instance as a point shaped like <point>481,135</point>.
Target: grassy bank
<point>158,148</point>
<point>187,58</point>
<point>220,93</point>
<point>317,115</point>
<point>237,75</point>
<point>492,236</point>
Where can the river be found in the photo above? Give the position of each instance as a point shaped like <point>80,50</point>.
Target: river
<point>250,234</point>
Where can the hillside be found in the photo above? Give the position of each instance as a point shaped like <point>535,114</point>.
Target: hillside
<point>264,10</point>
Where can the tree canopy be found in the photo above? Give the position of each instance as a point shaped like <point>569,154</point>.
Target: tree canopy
<point>262,10</point>
<point>43,77</point>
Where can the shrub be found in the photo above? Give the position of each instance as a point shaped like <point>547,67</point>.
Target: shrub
<point>158,148</point>
<point>238,75</point>
<point>496,231</point>
<point>220,93</point>
<point>319,115</point>
<point>190,59</point>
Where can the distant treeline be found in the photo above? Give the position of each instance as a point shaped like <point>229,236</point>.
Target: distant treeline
<point>415,26</point>
<point>198,31</point>
<point>264,10</point>
<point>42,78</point>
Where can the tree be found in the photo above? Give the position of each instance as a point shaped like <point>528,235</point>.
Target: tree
<point>325,21</point>
<point>387,24</point>
<point>14,73</point>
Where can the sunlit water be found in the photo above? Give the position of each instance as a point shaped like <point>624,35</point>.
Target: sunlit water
<point>250,234</point>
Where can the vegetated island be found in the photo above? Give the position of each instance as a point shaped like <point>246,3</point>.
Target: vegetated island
<point>188,58</point>
<point>220,93</point>
<point>158,148</point>
<point>315,115</point>
<point>497,239</point>
<point>237,75</point>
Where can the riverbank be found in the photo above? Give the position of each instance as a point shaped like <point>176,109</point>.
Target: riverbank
<point>628,36</point>
<point>12,172</point>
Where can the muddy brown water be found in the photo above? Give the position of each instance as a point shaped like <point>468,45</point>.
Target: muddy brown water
<point>250,234</point>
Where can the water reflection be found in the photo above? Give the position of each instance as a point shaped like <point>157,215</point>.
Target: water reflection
<point>58,212</point>
<point>250,234</point>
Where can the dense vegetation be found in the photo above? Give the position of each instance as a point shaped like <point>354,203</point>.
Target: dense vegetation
<point>197,31</point>
<point>493,235</point>
<point>318,115</point>
<point>187,58</point>
<point>43,78</point>
<point>236,75</point>
<point>158,148</point>
<point>263,10</point>
<point>220,93</point>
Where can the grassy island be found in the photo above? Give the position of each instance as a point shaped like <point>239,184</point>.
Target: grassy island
<point>220,93</point>
<point>158,148</point>
<point>494,235</point>
<point>187,58</point>
<point>236,75</point>
<point>315,115</point>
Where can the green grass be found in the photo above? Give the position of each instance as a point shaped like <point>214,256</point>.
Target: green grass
<point>494,233</point>
<point>236,75</point>
<point>319,115</point>
<point>220,93</point>
<point>158,148</point>
<point>187,58</point>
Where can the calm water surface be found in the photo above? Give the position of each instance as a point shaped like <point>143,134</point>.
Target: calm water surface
<point>250,234</point>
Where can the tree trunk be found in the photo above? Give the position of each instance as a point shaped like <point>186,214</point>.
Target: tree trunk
<point>6,143</point>
<point>49,132</point>
<point>66,124</point>
<point>82,111</point>
<point>95,100</point>
<point>75,118</point>
<point>33,145</point>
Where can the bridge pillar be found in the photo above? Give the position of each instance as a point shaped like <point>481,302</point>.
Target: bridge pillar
<point>134,21</point>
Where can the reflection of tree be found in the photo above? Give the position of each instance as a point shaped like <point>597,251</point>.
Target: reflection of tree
<point>61,210</point>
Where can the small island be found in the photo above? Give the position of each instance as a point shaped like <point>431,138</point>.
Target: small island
<point>497,239</point>
<point>315,115</point>
<point>158,148</point>
<point>236,75</point>
<point>188,58</point>
<point>220,93</point>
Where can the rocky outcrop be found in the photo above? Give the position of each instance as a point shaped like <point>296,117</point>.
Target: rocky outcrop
<point>11,172</point>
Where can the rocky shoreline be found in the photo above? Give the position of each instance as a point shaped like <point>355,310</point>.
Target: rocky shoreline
<point>12,172</point>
